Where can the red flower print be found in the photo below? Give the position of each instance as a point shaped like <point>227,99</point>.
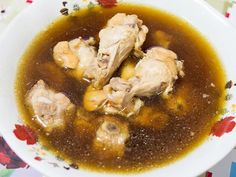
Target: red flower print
<point>223,126</point>
<point>25,133</point>
<point>107,3</point>
<point>227,14</point>
<point>8,158</point>
<point>209,174</point>
<point>29,1</point>
<point>4,159</point>
<point>38,158</point>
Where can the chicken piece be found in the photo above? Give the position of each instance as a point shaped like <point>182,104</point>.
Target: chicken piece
<point>64,56</point>
<point>49,108</point>
<point>133,21</point>
<point>111,137</point>
<point>116,92</point>
<point>152,118</point>
<point>156,73</point>
<point>140,40</point>
<point>77,54</point>
<point>122,34</point>
<point>163,39</point>
<point>110,102</point>
<point>132,108</point>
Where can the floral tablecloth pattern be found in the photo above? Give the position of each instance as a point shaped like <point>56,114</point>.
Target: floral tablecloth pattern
<point>12,166</point>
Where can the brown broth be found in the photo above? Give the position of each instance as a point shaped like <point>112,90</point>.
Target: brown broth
<point>147,147</point>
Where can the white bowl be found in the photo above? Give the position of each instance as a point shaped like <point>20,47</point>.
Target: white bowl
<point>38,16</point>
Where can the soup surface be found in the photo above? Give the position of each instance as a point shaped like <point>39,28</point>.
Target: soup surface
<point>187,116</point>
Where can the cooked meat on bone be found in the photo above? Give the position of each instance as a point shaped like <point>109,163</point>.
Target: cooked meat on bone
<point>111,137</point>
<point>154,74</point>
<point>48,107</point>
<point>77,54</point>
<point>122,34</point>
<point>109,102</point>
<point>115,93</point>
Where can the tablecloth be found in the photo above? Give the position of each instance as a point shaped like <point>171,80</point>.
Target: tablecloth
<point>13,166</point>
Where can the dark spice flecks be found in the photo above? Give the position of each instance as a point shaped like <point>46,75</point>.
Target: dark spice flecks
<point>76,7</point>
<point>67,168</point>
<point>64,3</point>
<point>64,11</point>
<point>91,5</point>
<point>229,85</point>
<point>74,166</point>
<point>228,97</point>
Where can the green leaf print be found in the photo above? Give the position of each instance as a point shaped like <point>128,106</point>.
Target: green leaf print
<point>6,173</point>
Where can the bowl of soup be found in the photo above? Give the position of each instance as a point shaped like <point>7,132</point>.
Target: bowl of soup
<point>109,88</point>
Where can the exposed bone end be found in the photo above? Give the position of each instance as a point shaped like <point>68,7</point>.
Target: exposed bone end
<point>111,137</point>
